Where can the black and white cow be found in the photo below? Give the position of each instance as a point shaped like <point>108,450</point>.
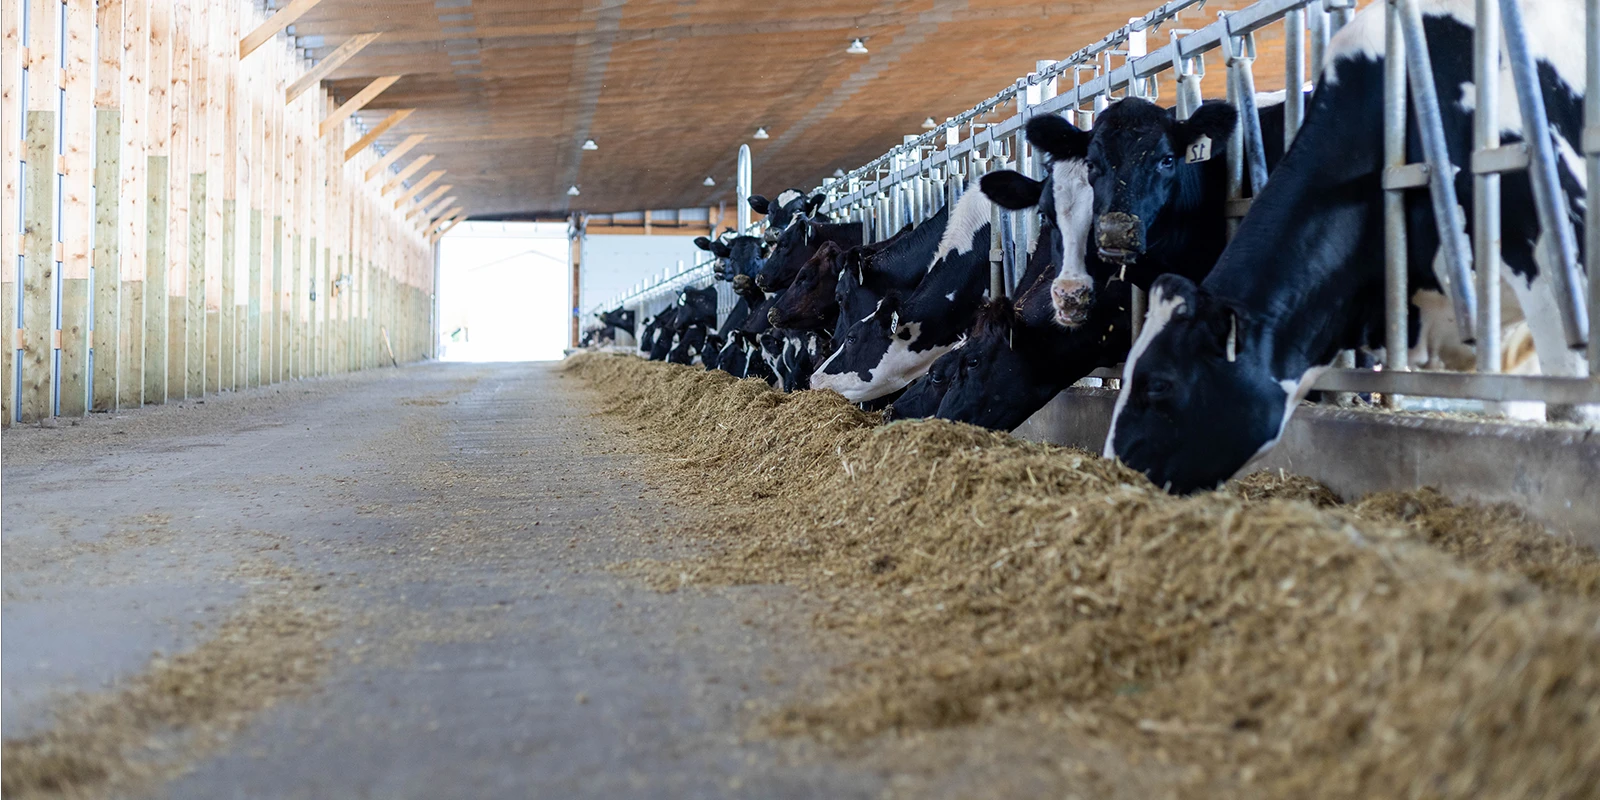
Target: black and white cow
<point>887,349</point>
<point>810,302</point>
<point>796,244</point>
<point>736,255</point>
<point>782,211</point>
<point>733,358</point>
<point>1218,369</point>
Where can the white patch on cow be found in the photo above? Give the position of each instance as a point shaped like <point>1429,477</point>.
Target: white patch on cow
<point>1232,350</point>
<point>1074,199</point>
<point>1294,391</point>
<point>1276,97</point>
<point>971,213</point>
<point>898,367</point>
<point>951,297</point>
<point>1539,306</point>
<point>786,197</point>
<point>1160,315</point>
<point>1469,97</point>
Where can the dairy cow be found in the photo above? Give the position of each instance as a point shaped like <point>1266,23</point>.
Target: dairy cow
<point>894,344</point>
<point>1219,367</point>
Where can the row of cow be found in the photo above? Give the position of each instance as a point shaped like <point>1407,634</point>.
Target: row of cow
<point>1237,329</point>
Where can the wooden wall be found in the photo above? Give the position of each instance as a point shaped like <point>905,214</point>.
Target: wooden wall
<point>173,225</point>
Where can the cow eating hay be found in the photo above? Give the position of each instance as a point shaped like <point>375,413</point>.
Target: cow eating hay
<point>1263,646</point>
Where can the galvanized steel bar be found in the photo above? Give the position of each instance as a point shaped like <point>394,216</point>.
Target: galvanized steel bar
<point>1396,303</point>
<point>1294,80</point>
<point>1591,153</point>
<point>1453,244</point>
<point>742,188</point>
<point>1486,185</point>
<point>1564,276</point>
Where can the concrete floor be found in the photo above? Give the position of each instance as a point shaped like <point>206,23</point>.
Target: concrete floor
<point>458,522</point>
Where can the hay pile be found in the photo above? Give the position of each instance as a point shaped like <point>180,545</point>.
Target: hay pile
<point>1261,638</point>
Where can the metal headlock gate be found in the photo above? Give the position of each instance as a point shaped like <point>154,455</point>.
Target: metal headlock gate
<point>912,181</point>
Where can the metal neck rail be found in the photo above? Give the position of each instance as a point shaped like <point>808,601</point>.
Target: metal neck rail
<point>911,181</point>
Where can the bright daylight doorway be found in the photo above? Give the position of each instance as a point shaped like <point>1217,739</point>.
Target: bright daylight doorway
<point>504,292</point>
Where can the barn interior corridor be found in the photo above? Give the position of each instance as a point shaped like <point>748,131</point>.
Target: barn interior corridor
<point>388,584</point>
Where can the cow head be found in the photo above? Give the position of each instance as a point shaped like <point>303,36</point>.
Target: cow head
<point>738,255</point>
<point>790,205</point>
<point>874,355</point>
<point>1065,204</point>
<point>1137,168</point>
<point>745,287</point>
<point>1198,397</point>
<point>696,307</point>
<point>921,399</point>
<point>987,375</point>
<point>810,303</point>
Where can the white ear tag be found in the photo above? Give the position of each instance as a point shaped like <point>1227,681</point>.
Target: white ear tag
<point>1233,338</point>
<point>1199,150</point>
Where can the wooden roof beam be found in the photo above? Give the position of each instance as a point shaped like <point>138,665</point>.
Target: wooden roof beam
<point>418,187</point>
<point>277,22</point>
<point>439,234</point>
<point>355,104</point>
<point>440,208</point>
<point>427,201</point>
<point>327,65</point>
<point>377,130</point>
<point>455,211</point>
<point>411,169</point>
<point>393,155</point>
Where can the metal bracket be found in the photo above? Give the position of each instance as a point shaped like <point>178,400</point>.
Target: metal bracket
<point>1505,158</point>
<point>1410,176</point>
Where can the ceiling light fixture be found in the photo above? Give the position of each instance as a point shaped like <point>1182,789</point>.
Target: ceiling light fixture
<point>838,173</point>
<point>572,191</point>
<point>588,144</point>
<point>856,48</point>
<point>708,181</point>
<point>928,124</point>
<point>761,133</point>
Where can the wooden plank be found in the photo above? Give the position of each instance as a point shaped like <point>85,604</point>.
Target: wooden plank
<point>234,171</point>
<point>199,216</point>
<point>407,172</point>
<point>107,175</point>
<point>158,195</point>
<point>273,363</point>
<point>218,150</point>
<point>438,209</point>
<point>77,206</point>
<point>275,23</point>
<point>380,129</point>
<point>132,212</point>
<point>426,181</point>
<point>326,66</point>
<point>178,184</point>
<point>394,155</point>
<point>12,60</point>
<point>422,204</point>
<point>37,398</point>
<point>356,103</point>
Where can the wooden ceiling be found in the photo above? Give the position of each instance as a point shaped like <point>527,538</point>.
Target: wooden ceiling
<point>508,90</point>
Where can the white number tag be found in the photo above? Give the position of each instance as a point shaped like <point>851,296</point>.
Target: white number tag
<point>1199,151</point>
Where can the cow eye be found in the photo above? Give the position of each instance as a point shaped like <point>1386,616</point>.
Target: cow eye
<point>851,339</point>
<point>936,379</point>
<point>1168,161</point>
<point>1157,387</point>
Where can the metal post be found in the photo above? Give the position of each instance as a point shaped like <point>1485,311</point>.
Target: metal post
<point>1241,55</point>
<point>1294,74</point>
<point>1591,150</point>
<point>1339,13</point>
<point>1317,21</point>
<point>1191,71</point>
<point>742,188</point>
<point>1396,304</point>
<point>1235,151</point>
<point>1486,185</point>
<point>1563,250</point>
<point>1453,245</point>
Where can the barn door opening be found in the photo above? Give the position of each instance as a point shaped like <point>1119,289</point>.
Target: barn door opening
<point>504,291</point>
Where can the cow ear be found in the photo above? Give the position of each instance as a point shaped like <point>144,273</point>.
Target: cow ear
<point>721,249</point>
<point>702,242</point>
<point>1175,296</point>
<point>1011,189</point>
<point>1214,120</point>
<point>1059,138</point>
<point>759,204</point>
<point>814,203</point>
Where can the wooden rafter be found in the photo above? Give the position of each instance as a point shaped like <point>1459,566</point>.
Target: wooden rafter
<point>439,209</point>
<point>393,155</point>
<point>418,186</point>
<point>437,193</point>
<point>326,66</point>
<point>355,104</point>
<point>411,169</point>
<point>377,130</point>
<point>277,22</point>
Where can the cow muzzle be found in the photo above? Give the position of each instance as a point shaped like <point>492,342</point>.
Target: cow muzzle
<point>1120,237</point>
<point>741,283</point>
<point>770,236</point>
<point>1071,299</point>
<point>772,317</point>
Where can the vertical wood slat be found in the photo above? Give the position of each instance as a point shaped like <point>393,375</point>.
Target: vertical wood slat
<point>178,183</point>
<point>158,202</point>
<point>107,182</point>
<point>233,100</point>
<point>11,46</point>
<point>37,399</point>
<point>194,368</point>
<point>218,148</point>
<point>77,206</point>
<point>133,219</point>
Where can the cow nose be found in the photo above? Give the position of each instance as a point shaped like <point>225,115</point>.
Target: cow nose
<point>770,236</point>
<point>761,282</point>
<point>772,316</point>
<point>1071,300</point>
<point>1119,235</point>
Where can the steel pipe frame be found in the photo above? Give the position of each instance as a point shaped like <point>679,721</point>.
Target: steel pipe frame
<point>1396,303</point>
<point>1542,169</point>
<point>1591,121</point>
<point>1486,185</point>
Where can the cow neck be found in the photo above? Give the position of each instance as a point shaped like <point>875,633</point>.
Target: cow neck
<point>1307,258</point>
